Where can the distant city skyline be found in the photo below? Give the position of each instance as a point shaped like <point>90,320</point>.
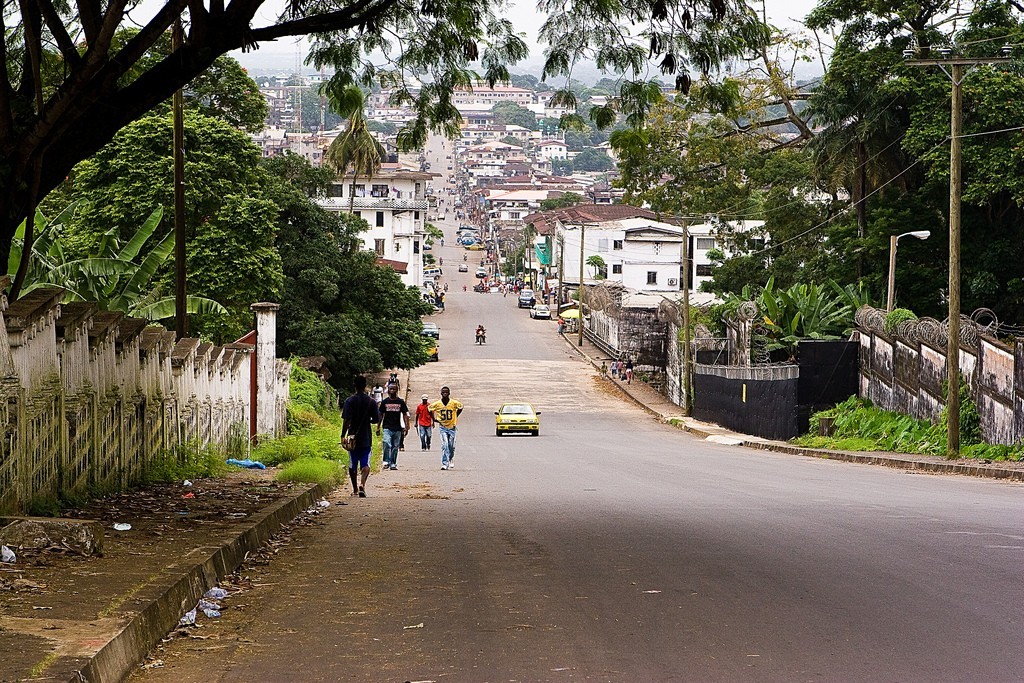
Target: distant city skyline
<point>284,54</point>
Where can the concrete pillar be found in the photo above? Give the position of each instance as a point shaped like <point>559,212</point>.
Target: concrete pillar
<point>266,368</point>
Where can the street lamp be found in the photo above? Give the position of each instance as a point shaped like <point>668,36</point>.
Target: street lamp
<point>919,234</point>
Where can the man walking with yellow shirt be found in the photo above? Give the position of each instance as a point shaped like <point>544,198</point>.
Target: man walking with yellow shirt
<point>446,413</point>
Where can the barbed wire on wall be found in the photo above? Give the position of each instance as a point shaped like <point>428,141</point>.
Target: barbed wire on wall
<point>983,322</point>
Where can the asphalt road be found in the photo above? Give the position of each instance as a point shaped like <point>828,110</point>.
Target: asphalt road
<point>614,548</point>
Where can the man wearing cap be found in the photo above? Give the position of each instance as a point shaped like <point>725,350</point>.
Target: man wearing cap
<point>424,423</point>
<point>446,414</point>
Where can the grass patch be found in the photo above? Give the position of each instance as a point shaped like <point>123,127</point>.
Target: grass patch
<point>186,461</point>
<point>860,426</point>
<point>317,442</point>
<point>313,471</point>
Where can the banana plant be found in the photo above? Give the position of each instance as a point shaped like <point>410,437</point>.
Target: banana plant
<point>117,275</point>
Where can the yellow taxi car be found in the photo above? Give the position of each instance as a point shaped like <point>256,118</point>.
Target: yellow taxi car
<point>516,417</point>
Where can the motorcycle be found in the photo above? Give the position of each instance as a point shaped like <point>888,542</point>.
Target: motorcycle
<point>481,337</point>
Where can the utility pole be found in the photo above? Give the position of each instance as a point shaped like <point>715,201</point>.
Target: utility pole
<point>579,320</point>
<point>686,320</point>
<point>956,76</point>
<point>178,142</point>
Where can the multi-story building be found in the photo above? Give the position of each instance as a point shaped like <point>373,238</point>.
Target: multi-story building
<point>716,235</point>
<point>552,149</point>
<point>482,95</point>
<point>394,203</point>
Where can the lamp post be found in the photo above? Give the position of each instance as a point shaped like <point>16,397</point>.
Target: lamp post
<point>893,240</point>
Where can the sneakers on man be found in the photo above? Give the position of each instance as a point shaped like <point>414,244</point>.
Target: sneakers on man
<point>362,493</point>
<point>444,467</point>
<point>394,467</point>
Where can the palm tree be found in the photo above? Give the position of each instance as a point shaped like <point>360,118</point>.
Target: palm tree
<point>356,150</point>
<point>599,266</point>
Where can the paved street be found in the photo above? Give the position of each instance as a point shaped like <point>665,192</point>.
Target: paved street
<point>615,548</point>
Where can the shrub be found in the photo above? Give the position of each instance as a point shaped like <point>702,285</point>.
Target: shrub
<point>970,420</point>
<point>895,317</point>
<point>186,461</point>
<point>320,442</point>
<point>308,393</point>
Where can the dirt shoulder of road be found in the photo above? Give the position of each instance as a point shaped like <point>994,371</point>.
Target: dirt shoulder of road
<point>59,609</point>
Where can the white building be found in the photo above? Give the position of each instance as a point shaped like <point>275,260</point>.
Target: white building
<point>553,149</point>
<point>641,253</point>
<point>394,203</point>
<point>511,207</point>
<point>716,235</point>
<point>481,95</point>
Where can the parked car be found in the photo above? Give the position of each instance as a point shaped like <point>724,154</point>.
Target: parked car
<point>516,417</point>
<point>431,330</point>
<point>526,299</point>
<point>540,312</point>
<point>480,272</point>
<point>463,268</point>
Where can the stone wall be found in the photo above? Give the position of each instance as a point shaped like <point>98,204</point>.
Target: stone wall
<point>88,398</point>
<point>905,372</point>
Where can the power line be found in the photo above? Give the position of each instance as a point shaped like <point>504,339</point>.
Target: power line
<point>851,206</point>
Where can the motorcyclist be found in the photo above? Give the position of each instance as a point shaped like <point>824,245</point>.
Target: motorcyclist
<point>464,257</point>
<point>481,334</point>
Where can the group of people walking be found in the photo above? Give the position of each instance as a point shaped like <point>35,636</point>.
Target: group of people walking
<point>391,415</point>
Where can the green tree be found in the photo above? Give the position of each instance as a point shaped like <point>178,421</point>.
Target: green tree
<point>230,224</point>
<point>562,167</point>
<point>596,262</point>
<point>592,159</point>
<point>356,150</point>
<point>510,113</point>
<point>566,200</point>
<point>70,87</point>
<point>340,303</point>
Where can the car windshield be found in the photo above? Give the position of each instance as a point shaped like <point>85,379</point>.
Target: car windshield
<point>516,409</point>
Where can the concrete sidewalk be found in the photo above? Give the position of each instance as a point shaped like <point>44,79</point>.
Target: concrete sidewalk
<point>664,410</point>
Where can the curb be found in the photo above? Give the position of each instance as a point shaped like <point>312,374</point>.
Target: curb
<point>178,588</point>
<point>973,469</point>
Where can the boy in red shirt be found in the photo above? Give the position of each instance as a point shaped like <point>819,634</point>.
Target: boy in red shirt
<point>424,423</point>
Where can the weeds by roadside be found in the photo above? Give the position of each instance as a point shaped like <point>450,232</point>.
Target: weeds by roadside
<point>860,426</point>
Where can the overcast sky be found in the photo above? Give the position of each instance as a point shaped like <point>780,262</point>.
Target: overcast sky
<point>282,54</point>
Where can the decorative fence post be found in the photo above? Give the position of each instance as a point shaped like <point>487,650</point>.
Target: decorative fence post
<point>266,369</point>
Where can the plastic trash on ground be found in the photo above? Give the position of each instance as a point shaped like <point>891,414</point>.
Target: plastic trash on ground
<point>189,619</point>
<point>186,483</point>
<point>7,555</point>
<point>216,594</point>
<point>211,613</point>
<point>122,526</point>
<point>205,604</point>
<point>323,503</point>
<point>250,464</point>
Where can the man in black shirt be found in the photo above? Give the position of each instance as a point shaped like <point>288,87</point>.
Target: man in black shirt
<point>394,425</point>
<point>358,413</point>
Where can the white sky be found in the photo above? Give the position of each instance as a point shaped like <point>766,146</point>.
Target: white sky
<point>783,13</point>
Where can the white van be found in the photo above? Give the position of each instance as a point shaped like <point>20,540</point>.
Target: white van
<point>431,273</point>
